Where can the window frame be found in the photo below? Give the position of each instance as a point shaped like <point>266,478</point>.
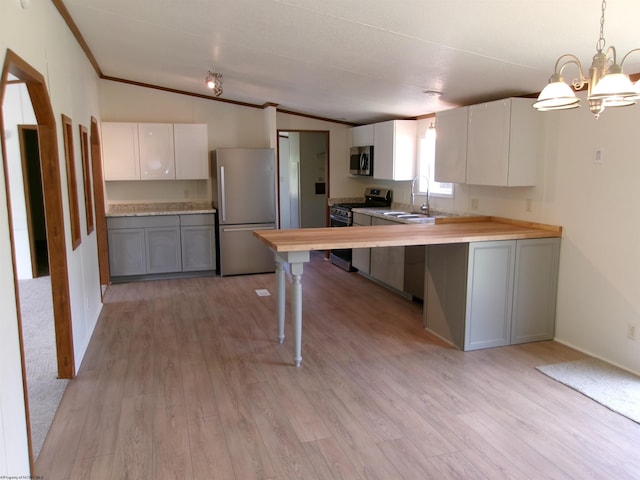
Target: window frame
<point>72,184</point>
<point>426,164</point>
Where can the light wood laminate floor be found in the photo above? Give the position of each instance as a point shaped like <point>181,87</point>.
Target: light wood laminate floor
<point>183,379</point>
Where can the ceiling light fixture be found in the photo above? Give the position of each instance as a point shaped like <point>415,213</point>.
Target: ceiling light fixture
<point>433,93</point>
<point>607,85</point>
<point>214,82</point>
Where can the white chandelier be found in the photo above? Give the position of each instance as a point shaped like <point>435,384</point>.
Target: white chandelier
<point>607,85</point>
<point>214,82</point>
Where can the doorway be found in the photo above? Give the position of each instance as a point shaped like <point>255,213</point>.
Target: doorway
<point>34,200</point>
<point>303,173</point>
<point>17,72</point>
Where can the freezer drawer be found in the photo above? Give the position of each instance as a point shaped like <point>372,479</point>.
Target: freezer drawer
<point>242,253</point>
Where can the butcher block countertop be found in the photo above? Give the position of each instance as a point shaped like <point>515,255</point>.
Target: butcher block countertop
<point>444,231</point>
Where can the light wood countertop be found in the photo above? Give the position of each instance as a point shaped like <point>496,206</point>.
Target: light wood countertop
<point>447,230</point>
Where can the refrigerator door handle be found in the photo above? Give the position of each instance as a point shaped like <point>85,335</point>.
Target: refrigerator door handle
<point>246,229</point>
<point>222,195</point>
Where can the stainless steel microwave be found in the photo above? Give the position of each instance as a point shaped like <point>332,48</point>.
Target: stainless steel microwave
<point>361,161</point>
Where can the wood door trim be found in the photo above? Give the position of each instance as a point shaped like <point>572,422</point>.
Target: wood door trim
<point>99,201</point>
<point>54,216</point>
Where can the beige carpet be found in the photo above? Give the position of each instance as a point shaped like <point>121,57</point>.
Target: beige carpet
<point>44,387</point>
<point>608,385</point>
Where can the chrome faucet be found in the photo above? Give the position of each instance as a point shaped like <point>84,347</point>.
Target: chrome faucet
<point>424,208</point>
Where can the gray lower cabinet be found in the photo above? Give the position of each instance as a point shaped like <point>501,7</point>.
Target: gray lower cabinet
<point>361,257</point>
<point>163,248</point>
<point>161,244</point>
<point>535,290</point>
<point>414,258</point>
<point>387,263</point>
<point>127,252</point>
<point>399,267</point>
<point>198,233</point>
<point>489,294</point>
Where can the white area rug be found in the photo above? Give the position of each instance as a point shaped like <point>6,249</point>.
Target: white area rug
<point>608,385</point>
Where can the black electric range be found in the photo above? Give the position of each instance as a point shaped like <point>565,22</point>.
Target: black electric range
<point>341,215</point>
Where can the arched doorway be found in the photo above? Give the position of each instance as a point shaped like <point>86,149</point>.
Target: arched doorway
<point>52,192</point>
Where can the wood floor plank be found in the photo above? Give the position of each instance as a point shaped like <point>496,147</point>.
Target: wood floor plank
<point>330,461</point>
<point>408,460</point>
<point>209,454</point>
<point>90,468</point>
<point>248,453</point>
<point>134,448</point>
<point>185,379</point>
<point>352,437</point>
<point>281,441</point>
<point>170,444</point>
<point>304,420</point>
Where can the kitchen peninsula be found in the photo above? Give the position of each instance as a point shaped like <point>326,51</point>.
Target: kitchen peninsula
<point>500,234</point>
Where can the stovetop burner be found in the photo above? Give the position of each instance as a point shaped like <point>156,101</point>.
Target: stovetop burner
<point>374,197</point>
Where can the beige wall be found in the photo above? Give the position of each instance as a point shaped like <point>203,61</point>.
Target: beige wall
<point>40,37</point>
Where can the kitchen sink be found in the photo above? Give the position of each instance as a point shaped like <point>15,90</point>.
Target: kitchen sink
<point>394,214</point>
<point>402,216</point>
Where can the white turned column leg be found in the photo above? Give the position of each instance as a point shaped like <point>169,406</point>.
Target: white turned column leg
<point>296,314</point>
<point>280,293</point>
<point>296,261</point>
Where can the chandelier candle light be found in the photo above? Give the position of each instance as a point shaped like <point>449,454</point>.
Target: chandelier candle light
<point>214,82</point>
<point>607,85</point>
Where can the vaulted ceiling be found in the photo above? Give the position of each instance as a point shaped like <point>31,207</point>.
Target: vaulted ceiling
<point>353,60</point>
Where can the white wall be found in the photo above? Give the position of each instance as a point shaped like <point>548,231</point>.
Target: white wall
<point>17,109</point>
<point>42,39</point>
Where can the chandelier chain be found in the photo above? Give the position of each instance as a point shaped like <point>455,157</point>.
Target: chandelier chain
<point>601,42</point>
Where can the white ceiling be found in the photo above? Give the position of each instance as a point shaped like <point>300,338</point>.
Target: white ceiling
<point>354,60</point>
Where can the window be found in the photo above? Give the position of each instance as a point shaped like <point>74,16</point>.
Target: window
<point>427,156</point>
<point>72,188</point>
<point>86,176</point>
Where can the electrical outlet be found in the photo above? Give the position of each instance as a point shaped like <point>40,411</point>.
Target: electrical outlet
<point>598,156</point>
<point>631,331</point>
<point>528,205</point>
<point>474,204</point>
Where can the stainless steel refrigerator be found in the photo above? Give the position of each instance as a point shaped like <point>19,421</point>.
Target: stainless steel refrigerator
<point>245,198</point>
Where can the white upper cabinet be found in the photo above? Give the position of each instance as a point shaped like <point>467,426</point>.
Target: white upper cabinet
<point>394,150</point>
<point>495,143</point>
<point>191,151</point>
<point>362,136</point>
<point>120,152</point>
<point>503,143</point>
<point>155,151</point>
<point>157,160</point>
<point>451,146</point>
